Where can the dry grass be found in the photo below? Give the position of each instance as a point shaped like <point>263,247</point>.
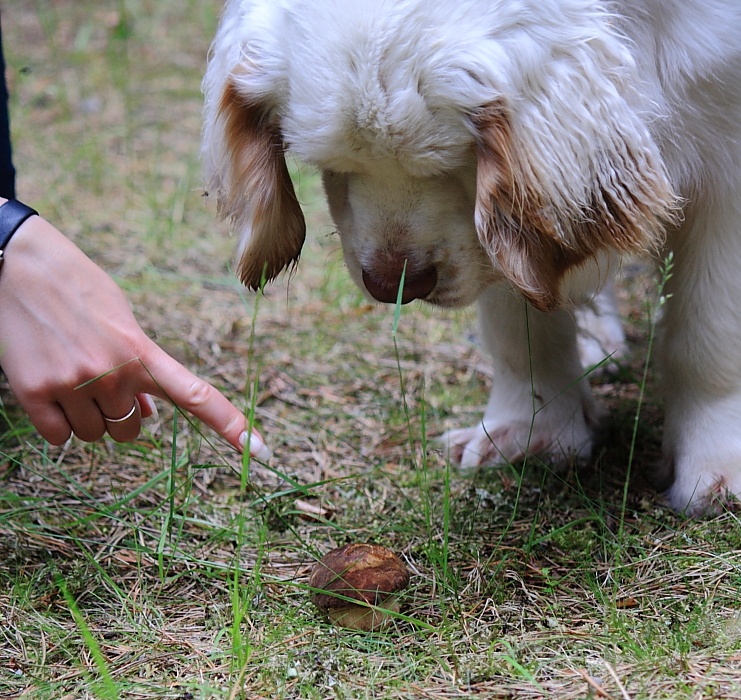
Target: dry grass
<point>162,569</point>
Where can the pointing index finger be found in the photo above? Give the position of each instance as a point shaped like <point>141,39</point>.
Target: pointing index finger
<point>171,381</point>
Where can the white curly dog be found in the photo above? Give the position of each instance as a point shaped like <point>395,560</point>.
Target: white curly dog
<point>509,153</point>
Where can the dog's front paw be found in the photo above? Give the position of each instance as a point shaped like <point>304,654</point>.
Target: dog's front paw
<point>699,479</point>
<point>701,470</point>
<point>495,443</point>
<point>704,486</point>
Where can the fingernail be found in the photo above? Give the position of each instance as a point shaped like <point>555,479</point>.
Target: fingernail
<point>152,411</point>
<point>258,449</point>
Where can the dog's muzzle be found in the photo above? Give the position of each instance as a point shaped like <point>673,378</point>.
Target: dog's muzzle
<point>383,279</point>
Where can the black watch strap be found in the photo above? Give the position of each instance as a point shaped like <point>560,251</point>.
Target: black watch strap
<point>12,214</point>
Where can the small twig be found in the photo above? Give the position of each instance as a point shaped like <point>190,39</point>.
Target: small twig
<point>611,671</point>
<point>601,692</point>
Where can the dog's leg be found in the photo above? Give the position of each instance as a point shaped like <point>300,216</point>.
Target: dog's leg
<point>540,402</point>
<point>701,358</point>
<point>601,336</point>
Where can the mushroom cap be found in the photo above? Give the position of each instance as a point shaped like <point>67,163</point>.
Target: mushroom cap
<point>365,572</point>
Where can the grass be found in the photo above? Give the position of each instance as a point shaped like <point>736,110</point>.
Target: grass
<point>167,568</point>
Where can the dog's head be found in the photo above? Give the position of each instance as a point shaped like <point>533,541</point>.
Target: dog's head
<point>460,143</point>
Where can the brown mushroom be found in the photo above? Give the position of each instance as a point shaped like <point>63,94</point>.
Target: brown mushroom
<point>368,573</point>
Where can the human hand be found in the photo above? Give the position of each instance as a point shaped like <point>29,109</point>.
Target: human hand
<point>75,356</point>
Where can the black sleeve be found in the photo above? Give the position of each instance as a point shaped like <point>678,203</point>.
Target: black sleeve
<point>7,171</point>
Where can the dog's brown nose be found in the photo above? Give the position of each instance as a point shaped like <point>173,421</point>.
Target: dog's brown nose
<point>382,281</point>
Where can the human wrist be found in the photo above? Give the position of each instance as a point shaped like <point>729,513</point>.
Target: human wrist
<point>13,214</point>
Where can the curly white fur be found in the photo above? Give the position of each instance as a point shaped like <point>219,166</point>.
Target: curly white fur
<point>508,153</point>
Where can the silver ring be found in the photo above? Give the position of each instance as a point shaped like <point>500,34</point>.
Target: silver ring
<point>121,420</point>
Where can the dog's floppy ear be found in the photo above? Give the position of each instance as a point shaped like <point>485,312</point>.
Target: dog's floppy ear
<point>248,171</point>
<point>560,191</point>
